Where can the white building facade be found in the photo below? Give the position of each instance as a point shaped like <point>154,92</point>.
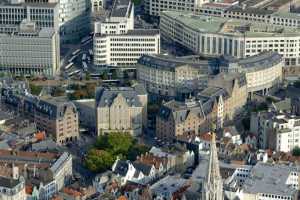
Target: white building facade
<point>117,43</point>
<point>214,36</point>
<point>125,49</point>
<point>154,8</point>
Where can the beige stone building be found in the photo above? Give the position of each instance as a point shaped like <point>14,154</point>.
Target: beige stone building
<point>177,118</point>
<point>164,75</point>
<point>57,117</point>
<point>236,88</point>
<point>121,109</point>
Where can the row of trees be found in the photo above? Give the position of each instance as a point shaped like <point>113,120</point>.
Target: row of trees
<point>110,146</point>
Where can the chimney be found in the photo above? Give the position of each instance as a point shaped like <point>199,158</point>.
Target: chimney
<point>15,172</point>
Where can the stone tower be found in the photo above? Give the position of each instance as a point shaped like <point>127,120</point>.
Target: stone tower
<point>213,185</point>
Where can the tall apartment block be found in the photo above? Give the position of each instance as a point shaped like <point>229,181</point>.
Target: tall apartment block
<point>117,43</point>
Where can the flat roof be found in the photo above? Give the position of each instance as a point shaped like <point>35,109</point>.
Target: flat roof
<point>269,179</point>
<point>225,26</point>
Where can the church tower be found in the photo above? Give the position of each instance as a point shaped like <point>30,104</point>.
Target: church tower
<point>213,185</point>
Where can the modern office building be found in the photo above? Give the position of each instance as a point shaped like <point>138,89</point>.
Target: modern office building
<point>117,43</point>
<point>30,42</point>
<point>69,18</point>
<point>214,36</point>
<point>263,71</point>
<point>73,20</point>
<point>12,188</point>
<point>44,12</point>
<point>250,13</point>
<point>30,50</point>
<point>57,116</point>
<point>165,75</point>
<point>125,49</point>
<point>121,109</point>
<point>154,8</point>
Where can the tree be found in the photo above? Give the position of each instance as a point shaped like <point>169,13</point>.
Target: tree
<point>296,151</point>
<point>35,89</point>
<point>98,160</point>
<point>137,150</point>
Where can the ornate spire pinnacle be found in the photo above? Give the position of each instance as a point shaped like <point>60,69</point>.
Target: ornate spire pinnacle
<point>214,185</point>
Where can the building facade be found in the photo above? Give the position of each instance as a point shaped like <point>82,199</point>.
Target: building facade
<point>30,50</point>
<point>155,8</point>
<point>263,71</point>
<point>266,181</point>
<point>256,14</point>
<point>12,189</point>
<point>125,49</point>
<point>277,131</point>
<point>57,116</point>
<point>117,43</point>
<point>121,109</point>
<point>162,75</point>
<point>235,85</point>
<point>215,36</point>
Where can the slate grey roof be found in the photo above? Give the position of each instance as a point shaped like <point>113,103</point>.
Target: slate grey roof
<point>105,96</point>
<point>170,63</point>
<point>179,110</point>
<point>8,182</point>
<point>121,167</point>
<point>269,179</point>
<point>227,80</point>
<point>54,107</point>
<point>260,61</point>
<point>145,169</point>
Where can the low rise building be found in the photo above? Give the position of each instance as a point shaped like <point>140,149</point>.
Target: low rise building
<point>55,115</point>
<point>121,109</point>
<point>235,85</point>
<point>170,187</point>
<point>277,131</point>
<point>267,181</point>
<point>165,75</point>
<point>176,118</point>
<point>12,189</point>
<point>47,173</point>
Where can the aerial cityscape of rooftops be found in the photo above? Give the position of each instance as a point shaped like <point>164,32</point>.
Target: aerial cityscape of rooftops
<point>149,99</point>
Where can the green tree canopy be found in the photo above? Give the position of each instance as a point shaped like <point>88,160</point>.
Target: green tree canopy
<point>99,160</point>
<point>296,151</point>
<point>113,145</point>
